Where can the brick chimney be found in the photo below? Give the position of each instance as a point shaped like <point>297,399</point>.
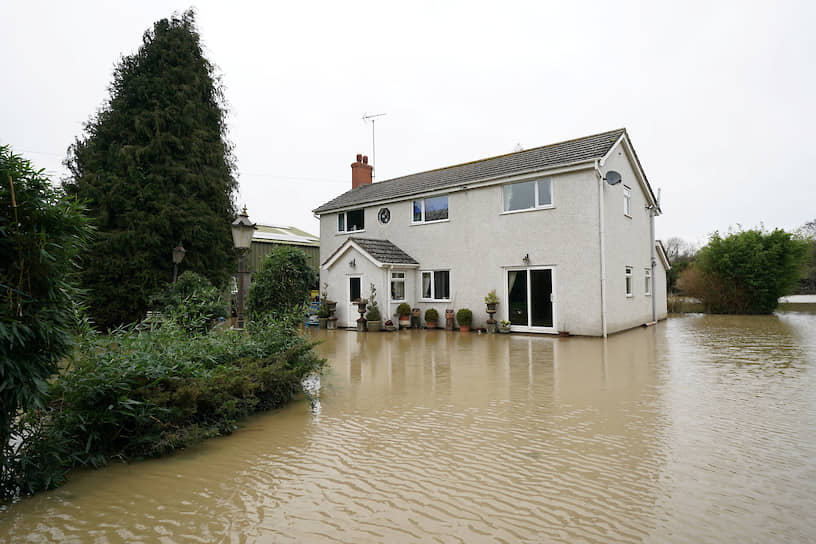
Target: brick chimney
<point>360,172</point>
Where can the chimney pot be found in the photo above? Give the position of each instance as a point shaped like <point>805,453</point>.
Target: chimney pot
<point>361,172</point>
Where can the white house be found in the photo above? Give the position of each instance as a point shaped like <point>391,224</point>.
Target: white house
<point>564,233</point>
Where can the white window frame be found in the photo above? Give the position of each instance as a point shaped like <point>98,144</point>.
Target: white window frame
<point>345,222</point>
<point>536,205</point>
<point>433,298</point>
<point>422,221</point>
<point>397,280</point>
<point>628,281</point>
<point>648,281</point>
<point>627,201</point>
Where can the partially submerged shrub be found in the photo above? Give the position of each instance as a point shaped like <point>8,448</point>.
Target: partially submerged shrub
<point>745,272</point>
<point>142,392</point>
<point>431,316</point>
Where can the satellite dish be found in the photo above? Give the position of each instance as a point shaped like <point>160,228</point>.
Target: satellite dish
<point>612,177</point>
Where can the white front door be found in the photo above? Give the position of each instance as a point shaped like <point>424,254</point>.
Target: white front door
<point>530,299</point>
<point>353,294</point>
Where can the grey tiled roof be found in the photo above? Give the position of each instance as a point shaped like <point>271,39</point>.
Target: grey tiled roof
<point>530,160</point>
<point>384,251</point>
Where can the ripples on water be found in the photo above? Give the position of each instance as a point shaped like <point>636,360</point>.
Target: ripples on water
<point>698,430</point>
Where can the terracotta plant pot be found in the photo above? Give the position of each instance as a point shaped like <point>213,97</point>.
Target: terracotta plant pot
<point>464,328</point>
<point>430,324</point>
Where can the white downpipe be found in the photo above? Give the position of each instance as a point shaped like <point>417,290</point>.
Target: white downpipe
<point>602,236</point>
<point>653,263</point>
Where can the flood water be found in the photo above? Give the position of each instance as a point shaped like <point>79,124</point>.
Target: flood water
<point>700,429</point>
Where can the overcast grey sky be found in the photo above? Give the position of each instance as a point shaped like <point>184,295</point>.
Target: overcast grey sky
<point>718,97</point>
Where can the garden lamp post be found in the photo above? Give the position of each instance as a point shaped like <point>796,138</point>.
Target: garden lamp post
<point>178,256</point>
<point>242,229</point>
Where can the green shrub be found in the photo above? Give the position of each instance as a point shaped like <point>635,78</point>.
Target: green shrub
<point>404,309</point>
<point>464,317</point>
<point>143,392</point>
<point>41,236</point>
<point>373,313</point>
<point>192,302</point>
<point>745,272</point>
<point>431,316</point>
<point>282,284</point>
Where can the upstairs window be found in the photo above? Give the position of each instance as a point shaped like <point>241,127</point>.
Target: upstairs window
<point>431,209</point>
<point>627,201</point>
<point>528,195</point>
<point>436,285</point>
<point>351,221</point>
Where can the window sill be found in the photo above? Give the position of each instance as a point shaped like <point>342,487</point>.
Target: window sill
<point>627,215</point>
<point>346,232</point>
<point>434,300</point>
<point>537,209</point>
<point>630,296</point>
<point>417,223</point>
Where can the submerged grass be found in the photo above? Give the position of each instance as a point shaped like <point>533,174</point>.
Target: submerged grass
<point>148,390</point>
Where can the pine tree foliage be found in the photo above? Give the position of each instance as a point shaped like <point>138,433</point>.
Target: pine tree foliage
<point>155,168</point>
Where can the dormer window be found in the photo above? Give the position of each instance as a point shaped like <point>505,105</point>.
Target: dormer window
<point>351,221</point>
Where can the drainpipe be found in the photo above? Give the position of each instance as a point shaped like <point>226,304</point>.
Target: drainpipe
<point>602,236</point>
<point>652,255</point>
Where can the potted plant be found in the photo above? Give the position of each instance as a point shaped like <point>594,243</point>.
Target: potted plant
<point>389,326</point>
<point>431,318</point>
<point>491,300</point>
<point>331,305</point>
<point>323,316</point>
<point>373,318</point>
<point>504,326</point>
<point>361,305</point>
<point>464,317</point>
<point>373,315</point>
<point>404,313</point>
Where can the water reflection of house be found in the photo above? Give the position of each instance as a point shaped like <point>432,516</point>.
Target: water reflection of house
<point>564,233</point>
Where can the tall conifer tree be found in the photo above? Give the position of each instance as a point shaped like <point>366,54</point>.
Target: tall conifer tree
<point>154,168</point>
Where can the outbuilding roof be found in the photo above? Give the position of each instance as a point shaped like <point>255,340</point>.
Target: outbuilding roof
<point>276,234</point>
<point>530,160</point>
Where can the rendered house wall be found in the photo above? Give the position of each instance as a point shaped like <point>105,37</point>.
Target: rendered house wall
<point>479,243</point>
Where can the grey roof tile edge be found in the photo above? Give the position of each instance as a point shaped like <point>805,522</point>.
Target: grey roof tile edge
<point>549,156</point>
<point>384,251</point>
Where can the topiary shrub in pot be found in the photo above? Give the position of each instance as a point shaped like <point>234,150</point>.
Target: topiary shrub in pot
<point>465,318</point>
<point>431,318</point>
<point>404,313</point>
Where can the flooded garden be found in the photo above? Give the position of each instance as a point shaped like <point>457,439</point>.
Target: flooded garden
<point>699,429</point>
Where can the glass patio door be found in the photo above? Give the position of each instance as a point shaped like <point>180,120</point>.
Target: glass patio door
<point>530,299</point>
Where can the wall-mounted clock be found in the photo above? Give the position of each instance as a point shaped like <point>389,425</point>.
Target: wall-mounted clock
<point>384,215</point>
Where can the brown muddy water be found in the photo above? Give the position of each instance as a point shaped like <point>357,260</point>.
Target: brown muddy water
<point>701,429</point>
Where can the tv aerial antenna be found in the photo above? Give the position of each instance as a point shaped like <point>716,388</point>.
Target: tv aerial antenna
<point>372,118</point>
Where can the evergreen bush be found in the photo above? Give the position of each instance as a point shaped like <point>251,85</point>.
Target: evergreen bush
<point>464,317</point>
<point>143,392</point>
<point>42,233</point>
<point>746,272</point>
